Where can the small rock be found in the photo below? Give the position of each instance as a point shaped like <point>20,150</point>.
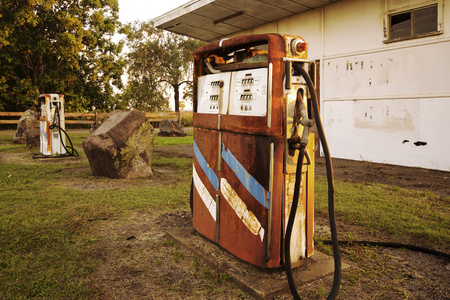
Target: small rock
<point>28,129</point>
<point>95,125</point>
<point>170,128</point>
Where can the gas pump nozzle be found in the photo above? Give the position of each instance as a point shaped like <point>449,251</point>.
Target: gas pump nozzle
<point>300,117</point>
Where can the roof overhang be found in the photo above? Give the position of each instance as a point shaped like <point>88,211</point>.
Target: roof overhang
<point>210,20</point>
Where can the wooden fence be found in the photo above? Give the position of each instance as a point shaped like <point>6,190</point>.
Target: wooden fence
<point>86,118</point>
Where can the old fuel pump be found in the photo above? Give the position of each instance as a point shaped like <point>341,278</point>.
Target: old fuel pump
<point>248,100</point>
<point>51,121</point>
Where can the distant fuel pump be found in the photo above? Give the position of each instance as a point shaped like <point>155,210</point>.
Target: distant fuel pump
<point>52,113</point>
<point>250,108</point>
<point>52,128</point>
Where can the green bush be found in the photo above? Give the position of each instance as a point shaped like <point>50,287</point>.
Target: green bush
<point>187,120</point>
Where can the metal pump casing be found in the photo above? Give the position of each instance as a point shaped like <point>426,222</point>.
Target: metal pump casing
<point>52,113</point>
<point>243,175</point>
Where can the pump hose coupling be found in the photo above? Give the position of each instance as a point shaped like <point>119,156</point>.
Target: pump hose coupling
<point>300,118</point>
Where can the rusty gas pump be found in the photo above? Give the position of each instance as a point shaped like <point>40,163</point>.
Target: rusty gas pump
<point>247,103</point>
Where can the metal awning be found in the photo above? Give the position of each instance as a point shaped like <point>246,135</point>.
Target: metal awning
<point>210,20</point>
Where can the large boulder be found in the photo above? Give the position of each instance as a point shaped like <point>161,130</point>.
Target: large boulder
<point>122,146</point>
<point>28,129</point>
<point>170,128</point>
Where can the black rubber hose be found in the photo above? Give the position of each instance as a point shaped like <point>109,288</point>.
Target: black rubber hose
<point>393,245</point>
<point>290,224</point>
<point>72,151</point>
<point>336,253</point>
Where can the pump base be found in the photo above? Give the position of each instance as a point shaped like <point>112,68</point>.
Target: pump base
<point>258,282</point>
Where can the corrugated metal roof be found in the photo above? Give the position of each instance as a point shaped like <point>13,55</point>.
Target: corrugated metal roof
<point>210,20</point>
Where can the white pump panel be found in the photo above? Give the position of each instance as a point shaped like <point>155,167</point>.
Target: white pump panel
<point>249,92</point>
<point>213,93</point>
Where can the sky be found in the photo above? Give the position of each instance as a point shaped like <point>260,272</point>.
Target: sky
<point>143,10</point>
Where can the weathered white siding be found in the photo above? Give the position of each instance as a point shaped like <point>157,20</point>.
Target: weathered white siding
<point>378,99</point>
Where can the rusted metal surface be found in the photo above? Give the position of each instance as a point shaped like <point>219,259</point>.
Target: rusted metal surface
<point>206,181</point>
<point>242,170</point>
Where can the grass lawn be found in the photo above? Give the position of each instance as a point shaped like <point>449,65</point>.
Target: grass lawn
<point>44,229</point>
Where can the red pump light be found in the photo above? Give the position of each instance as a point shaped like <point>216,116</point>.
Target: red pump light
<point>298,46</point>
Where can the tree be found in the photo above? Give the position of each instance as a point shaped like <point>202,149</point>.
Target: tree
<point>157,61</point>
<point>59,46</point>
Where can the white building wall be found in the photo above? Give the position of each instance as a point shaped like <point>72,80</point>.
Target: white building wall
<point>352,26</point>
<point>378,99</point>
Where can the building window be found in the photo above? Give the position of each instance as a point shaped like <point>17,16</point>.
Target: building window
<point>413,23</point>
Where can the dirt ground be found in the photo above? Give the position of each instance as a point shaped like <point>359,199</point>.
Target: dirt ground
<point>138,260</point>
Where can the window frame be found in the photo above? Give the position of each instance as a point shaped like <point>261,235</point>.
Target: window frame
<point>411,9</point>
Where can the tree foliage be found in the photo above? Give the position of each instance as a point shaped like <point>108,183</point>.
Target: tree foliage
<point>158,62</point>
<point>59,46</point>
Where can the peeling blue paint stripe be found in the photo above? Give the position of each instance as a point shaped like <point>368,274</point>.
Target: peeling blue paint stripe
<point>205,167</point>
<point>42,129</point>
<point>247,180</point>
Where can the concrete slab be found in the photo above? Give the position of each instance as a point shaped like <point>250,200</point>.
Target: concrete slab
<point>258,282</point>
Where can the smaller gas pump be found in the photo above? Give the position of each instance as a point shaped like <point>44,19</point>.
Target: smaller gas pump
<point>51,123</point>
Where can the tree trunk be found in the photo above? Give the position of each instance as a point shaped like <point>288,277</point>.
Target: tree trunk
<point>176,88</point>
